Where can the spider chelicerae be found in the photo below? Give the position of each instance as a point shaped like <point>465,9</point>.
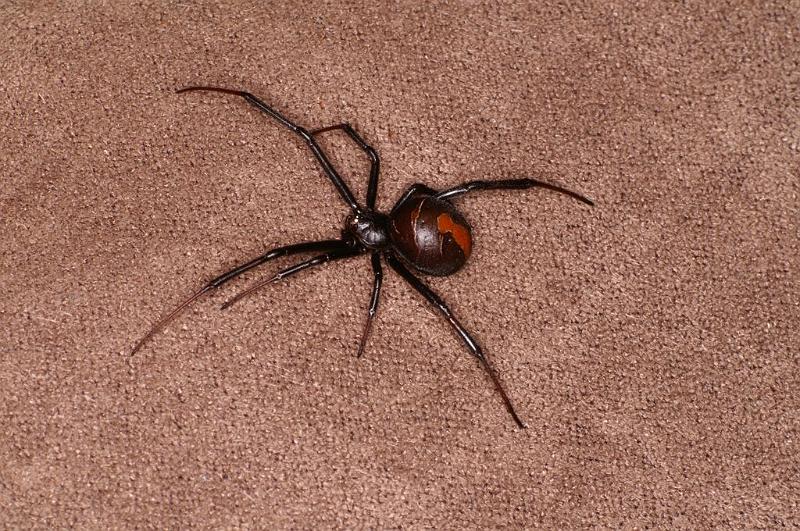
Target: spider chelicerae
<point>423,232</point>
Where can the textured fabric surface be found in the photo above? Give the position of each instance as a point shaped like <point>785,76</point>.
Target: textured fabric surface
<point>651,343</point>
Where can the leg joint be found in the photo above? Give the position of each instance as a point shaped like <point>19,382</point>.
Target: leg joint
<point>304,134</point>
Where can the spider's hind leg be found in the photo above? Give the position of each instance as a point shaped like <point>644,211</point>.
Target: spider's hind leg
<point>509,184</point>
<point>469,341</point>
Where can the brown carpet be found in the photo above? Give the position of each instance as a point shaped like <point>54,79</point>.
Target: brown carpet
<point>651,343</point>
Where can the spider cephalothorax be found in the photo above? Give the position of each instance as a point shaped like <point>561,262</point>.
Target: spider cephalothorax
<point>370,229</point>
<point>423,230</point>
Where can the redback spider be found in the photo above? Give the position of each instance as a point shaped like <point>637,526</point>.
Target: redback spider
<point>423,231</point>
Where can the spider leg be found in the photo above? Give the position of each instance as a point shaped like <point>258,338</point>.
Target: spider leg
<point>235,272</point>
<point>513,184</point>
<point>416,188</point>
<point>469,341</point>
<point>372,188</point>
<point>326,164</point>
<point>336,254</point>
<point>373,305</point>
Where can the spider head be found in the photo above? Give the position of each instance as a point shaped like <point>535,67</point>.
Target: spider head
<point>369,228</point>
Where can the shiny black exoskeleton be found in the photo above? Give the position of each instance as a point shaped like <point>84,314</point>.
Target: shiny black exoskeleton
<point>424,231</point>
<point>370,229</point>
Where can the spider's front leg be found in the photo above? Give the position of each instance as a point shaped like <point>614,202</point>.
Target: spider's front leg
<point>346,250</point>
<point>317,246</point>
<point>303,133</point>
<point>375,161</point>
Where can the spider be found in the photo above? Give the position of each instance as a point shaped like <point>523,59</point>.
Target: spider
<point>423,232</point>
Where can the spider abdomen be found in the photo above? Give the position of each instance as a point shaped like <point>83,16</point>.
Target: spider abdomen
<point>430,234</point>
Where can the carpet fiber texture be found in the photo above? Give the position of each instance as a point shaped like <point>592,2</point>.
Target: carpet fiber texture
<point>651,343</point>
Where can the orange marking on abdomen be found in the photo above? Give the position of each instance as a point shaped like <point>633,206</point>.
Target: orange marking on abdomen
<point>459,232</point>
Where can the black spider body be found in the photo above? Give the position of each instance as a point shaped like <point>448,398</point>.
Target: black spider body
<point>424,230</point>
<point>429,233</point>
<point>370,229</point>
